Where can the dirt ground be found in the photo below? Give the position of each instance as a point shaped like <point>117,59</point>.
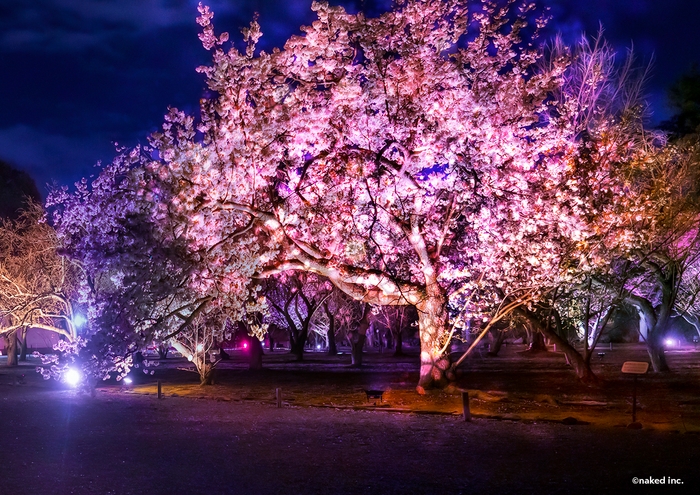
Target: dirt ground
<point>512,386</point>
<point>328,438</point>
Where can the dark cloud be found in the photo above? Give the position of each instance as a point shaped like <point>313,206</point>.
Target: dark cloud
<point>75,25</point>
<point>79,75</point>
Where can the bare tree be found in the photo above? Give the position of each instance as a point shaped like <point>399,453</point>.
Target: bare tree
<point>37,285</point>
<point>395,319</point>
<point>295,299</point>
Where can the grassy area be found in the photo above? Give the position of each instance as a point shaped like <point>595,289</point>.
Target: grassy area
<point>509,387</point>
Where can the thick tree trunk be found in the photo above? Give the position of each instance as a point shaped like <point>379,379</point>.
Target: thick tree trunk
<point>652,330</point>
<point>163,351</point>
<point>398,341</point>
<point>223,355</point>
<point>581,368</point>
<point>137,359</point>
<point>23,347</point>
<point>204,368</point>
<point>357,343</point>
<point>657,356</point>
<point>537,342</point>
<point>359,336</point>
<point>206,374</point>
<point>332,348</point>
<point>655,343</point>
<point>11,348</point>
<point>256,354</point>
<point>432,324</point>
<point>297,341</point>
<point>497,343</point>
<point>597,332</point>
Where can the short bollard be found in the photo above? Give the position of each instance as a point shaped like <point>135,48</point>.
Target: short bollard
<point>160,391</point>
<point>278,397</point>
<point>465,407</point>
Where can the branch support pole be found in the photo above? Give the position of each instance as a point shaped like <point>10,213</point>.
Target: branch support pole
<point>634,400</point>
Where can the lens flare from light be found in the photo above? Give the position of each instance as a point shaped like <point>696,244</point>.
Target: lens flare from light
<point>245,346</point>
<point>128,380</point>
<point>669,342</point>
<point>72,377</point>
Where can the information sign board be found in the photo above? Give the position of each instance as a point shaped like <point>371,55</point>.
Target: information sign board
<point>635,367</point>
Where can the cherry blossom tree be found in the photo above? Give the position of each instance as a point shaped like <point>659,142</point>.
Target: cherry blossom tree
<point>295,300</point>
<point>377,153</point>
<point>395,320</point>
<point>429,157</point>
<point>658,277</point>
<point>645,259</point>
<point>578,223</point>
<point>340,315</point>
<point>200,338</point>
<point>688,297</point>
<point>144,280</point>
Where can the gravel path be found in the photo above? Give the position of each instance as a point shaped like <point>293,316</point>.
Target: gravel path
<point>59,442</point>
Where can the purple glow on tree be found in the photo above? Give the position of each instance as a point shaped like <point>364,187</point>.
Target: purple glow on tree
<point>427,157</point>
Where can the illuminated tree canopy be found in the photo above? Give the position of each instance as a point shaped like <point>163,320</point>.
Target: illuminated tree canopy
<point>398,157</point>
<point>38,287</point>
<point>435,156</point>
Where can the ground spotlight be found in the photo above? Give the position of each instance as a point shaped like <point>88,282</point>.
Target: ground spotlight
<point>72,377</point>
<point>79,320</point>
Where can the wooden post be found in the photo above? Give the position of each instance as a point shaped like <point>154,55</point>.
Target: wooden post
<point>634,401</point>
<point>278,397</point>
<point>465,407</point>
<point>160,391</point>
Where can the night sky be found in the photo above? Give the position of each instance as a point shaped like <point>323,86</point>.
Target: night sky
<point>78,75</point>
